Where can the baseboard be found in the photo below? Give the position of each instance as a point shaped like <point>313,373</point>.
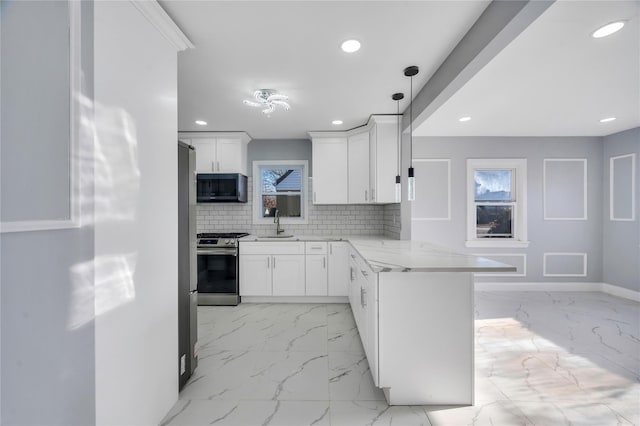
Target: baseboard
<point>613,290</point>
<point>295,299</point>
<point>618,291</point>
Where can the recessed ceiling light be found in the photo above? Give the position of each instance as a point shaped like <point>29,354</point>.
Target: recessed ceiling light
<point>463,119</point>
<point>336,122</point>
<point>608,29</point>
<point>608,119</point>
<point>201,123</point>
<point>350,46</point>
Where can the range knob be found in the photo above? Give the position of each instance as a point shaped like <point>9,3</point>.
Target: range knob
<point>227,242</point>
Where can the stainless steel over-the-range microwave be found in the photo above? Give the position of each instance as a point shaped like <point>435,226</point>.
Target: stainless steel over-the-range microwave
<point>222,188</point>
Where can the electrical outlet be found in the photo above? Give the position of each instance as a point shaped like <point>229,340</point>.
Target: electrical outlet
<point>183,364</point>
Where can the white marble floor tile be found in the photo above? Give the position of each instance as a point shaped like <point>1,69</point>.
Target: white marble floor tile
<point>289,376</point>
<point>352,413</point>
<point>350,378</point>
<point>245,413</point>
<point>587,413</point>
<point>541,358</point>
<point>494,413</point>
<point>298,337</point>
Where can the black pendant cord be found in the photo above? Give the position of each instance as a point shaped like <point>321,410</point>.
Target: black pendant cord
<point>411,125</point>
<point>398,97</point>
<point>410,72</point>
<point>399,164</point>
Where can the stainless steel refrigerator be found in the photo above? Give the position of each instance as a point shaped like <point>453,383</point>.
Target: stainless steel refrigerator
<point>187,263</point>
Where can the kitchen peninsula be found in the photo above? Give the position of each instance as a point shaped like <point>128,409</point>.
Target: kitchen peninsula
<point>413,306</point>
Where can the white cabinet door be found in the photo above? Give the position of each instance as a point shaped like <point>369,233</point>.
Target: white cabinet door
<point>288,275</point>
<point>371,320</point>
<point>384,160</point>
<point>329,158</point>
<point>359,168</point>
<point>205,155</point>
<point>316,275</point>
<point>229,156</point>
<point>255,275</point>
<point>338,280</point>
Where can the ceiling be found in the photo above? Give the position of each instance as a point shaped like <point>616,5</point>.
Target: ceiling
<point>553,79</point>
<point>294,47</point>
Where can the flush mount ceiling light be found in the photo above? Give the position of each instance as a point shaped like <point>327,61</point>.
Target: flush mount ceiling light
<point>336,122</point>
<point>608,119</point>
<point>350,46</point>
<point>608,29</point>
<point>268,100</point>
<point>201,123</point>
<point>463,119</point>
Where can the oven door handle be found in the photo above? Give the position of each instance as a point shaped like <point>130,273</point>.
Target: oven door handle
<point>227,252</point>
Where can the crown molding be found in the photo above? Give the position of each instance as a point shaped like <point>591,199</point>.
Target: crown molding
<point>157,16</point>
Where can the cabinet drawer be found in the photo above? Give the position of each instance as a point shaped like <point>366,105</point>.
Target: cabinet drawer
<point>315,247</point>
<point>271,247</point>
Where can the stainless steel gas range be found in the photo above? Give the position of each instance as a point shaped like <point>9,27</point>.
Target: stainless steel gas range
<point>218,268</point>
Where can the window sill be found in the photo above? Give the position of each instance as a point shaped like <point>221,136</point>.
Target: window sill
<point>494,243</point>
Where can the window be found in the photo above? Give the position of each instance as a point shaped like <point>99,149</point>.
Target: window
<point>280,186</point>
<point>496,207</point>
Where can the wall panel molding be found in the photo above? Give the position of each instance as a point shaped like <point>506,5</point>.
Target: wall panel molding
<point>564,193</point>
<point>75,107</point>
<point>621,217</point>
<point>546,260</point>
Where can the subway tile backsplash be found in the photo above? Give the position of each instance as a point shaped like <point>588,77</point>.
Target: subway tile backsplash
<point>323,219</point>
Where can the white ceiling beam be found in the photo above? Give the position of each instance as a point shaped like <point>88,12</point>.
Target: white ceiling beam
<point>500,23</point>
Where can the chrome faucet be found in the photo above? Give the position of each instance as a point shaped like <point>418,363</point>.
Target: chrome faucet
<point>276,220</point>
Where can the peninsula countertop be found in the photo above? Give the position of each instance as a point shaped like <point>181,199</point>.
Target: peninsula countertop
<point>384,254</point>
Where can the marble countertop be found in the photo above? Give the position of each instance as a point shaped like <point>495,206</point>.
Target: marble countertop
<point>419,256</point>
<point>384,254</point>
<point>253,238</point>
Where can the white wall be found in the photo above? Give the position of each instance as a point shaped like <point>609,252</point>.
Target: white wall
<point>48,363</point>
<point>136,218</point>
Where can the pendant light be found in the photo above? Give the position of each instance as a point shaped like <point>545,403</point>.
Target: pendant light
<point>411,183</point>
<point>398,97</point>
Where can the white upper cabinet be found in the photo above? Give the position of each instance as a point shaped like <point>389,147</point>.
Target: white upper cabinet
<point>231,155</point>
<point>383,154</point>
<point>357,166</point>
<point>205,154</point>
<point>219,152</point>
<point>329,159</point>
<point>358,153</point>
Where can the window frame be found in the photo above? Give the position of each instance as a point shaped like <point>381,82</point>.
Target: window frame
<point>257,191</point>
<point>518,203</point>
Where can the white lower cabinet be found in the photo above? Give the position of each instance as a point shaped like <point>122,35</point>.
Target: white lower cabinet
<point>338,261</point>
<point>363,297</point>
<point>288,275</point>
<point>371,319</point>
<point>316,273</point>
<point>255,275</point>
<point>272,269</point>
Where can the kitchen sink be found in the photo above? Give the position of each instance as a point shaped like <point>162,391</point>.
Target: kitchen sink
<point>273,237</point>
